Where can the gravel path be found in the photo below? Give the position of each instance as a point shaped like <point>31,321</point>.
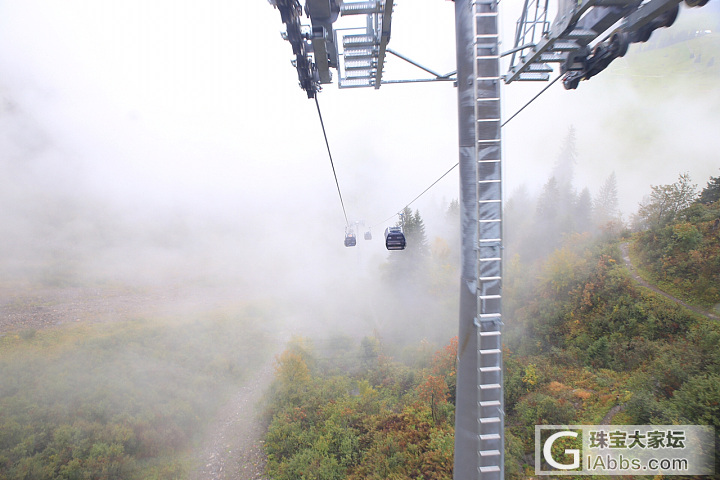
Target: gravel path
<point>233,445</point>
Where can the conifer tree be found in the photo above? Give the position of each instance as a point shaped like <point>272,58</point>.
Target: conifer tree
<point>564,169</point>
<point>606,205</point>
<point>404,265</point>
<point>548,218</point>
<point>414,229</point>
<point>711,193</point>
<point>583,212</point>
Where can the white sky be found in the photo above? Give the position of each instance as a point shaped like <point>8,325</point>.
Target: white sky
<point>185,102</point>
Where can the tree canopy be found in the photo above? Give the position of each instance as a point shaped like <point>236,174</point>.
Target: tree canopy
<point>665,202</point>
<point>711,193</point>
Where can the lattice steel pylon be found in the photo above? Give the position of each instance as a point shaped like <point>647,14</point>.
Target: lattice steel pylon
<point>479,425</point>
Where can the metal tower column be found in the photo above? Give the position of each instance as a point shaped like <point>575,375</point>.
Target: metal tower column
<point>479,422</point>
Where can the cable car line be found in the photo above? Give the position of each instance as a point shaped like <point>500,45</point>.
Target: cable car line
<point>332,164</point>
<point>322,124</point>
<point>433,184</point>
<point>453,167</point>
<point>532,100</point>
<point>423,193</point>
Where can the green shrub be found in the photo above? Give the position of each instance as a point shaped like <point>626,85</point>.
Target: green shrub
<point>116,401</point>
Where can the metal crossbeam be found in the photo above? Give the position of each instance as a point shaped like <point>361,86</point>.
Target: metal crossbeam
<point>567,40</point>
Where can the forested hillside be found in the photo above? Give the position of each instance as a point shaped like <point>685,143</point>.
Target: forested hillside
<point>679,249</point>
<point>584,343</point>
<point>351,411</point>
<point>122,399</point>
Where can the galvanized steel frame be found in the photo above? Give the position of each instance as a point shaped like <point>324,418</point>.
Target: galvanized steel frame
<point>479,424</point>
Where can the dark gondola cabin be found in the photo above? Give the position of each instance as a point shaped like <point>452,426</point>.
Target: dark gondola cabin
<point>394,238</point>
<point>350,240</point>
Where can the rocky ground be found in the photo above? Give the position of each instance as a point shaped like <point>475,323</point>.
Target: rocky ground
<point>38,308</point>
<point>233,445</point>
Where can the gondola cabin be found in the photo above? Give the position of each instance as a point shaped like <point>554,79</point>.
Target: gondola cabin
<point>368,235</point>
<point>350,240</point>
<point>394,238</point>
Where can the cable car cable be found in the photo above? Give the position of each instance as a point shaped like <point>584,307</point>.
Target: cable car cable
<point>423,193</point>
<point>453,167</point>
<point>322,124</point>
<point>532,100</point>
<point>428,188</point>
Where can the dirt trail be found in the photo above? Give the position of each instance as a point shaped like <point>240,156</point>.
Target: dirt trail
<point>233,448</point>
<point>641,281</point>
<point>613,411</point>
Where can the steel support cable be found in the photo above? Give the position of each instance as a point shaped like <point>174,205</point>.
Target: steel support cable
<point>414,199</point>
<point>453,167</point>
<point>332,164</point>
<point>532,99</point>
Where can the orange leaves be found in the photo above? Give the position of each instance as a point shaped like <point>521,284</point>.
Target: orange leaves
<point>434,390</point>
<point>380,422</point>
<point>445,360</point>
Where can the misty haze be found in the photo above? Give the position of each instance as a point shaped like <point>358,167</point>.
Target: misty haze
<point>176,301</point>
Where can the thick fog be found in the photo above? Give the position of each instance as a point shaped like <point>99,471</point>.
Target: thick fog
<point>168,143</point>
<point>647,117</point>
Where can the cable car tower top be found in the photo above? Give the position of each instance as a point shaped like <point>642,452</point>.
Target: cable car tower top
<point>358,53</point>
<point>578,23</point>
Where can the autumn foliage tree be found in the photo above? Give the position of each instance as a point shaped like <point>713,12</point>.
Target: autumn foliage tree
<point>383,421</point>
<point>665,202</point>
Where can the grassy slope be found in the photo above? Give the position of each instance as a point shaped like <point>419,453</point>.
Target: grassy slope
<point>122,400</point>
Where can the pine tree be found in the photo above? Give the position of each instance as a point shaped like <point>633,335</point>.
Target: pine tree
<point>414,229</point>
<point>606,206</point>
<point>564,174</point>
<point>453,210</point>
<point>548,219</point>
<point>404,265</point>
<point>583,212</point>
<point>711,193</point>
<point>564,170</point>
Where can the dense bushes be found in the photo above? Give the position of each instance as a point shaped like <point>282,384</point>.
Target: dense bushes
<point>121,401</point>
<point>585,342</point>
<point>684,256</point>
<point>379,421</point>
